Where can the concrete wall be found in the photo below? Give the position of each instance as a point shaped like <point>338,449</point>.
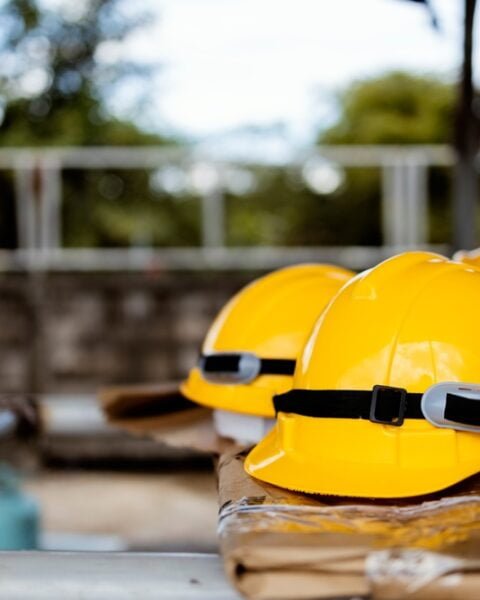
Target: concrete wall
<point>73,333</point>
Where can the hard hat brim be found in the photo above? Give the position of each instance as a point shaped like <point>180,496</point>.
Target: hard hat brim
<point>271,462</point>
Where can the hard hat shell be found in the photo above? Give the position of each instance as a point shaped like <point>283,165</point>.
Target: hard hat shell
<point>410,322</point>
<point>271,317</point>
<point>471,257</point>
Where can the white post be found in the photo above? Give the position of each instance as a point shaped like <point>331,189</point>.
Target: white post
<point>393,219</point>
<point>213,219</point>
<point>50,198</point>
<point>405,203</point>
<point>417,199</point>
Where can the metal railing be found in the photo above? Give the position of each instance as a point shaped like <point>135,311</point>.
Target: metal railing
<point>38,185</point>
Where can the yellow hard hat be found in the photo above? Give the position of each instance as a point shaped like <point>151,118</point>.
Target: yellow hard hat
<point>250,350</point>
<point>469,257</point>
<point>383,405</point>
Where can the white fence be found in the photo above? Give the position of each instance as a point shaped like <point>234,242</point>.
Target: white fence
<point>38,184</point>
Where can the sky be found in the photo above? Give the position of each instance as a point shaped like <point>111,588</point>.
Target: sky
<point>232,64</point>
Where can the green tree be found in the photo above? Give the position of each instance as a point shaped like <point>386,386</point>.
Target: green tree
<point>394,108</point>
<point>54,90</point>
<point>53,86</point>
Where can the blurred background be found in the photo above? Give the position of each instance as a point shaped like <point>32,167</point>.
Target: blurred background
<point>154,157</point>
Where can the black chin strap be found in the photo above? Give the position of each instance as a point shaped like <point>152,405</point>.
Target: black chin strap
<point>383,404</point>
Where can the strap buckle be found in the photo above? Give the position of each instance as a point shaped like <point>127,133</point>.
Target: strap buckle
<point>388,405</point>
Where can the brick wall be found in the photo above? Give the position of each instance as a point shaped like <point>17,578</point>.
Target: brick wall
<point>73,333</point>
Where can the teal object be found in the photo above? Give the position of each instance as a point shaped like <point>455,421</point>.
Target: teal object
<point>19,514</point>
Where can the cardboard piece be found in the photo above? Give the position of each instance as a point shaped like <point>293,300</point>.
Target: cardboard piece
<point>282,545</point>
<point>160,411</point>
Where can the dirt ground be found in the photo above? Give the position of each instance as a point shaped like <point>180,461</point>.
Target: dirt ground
<point>173,511</point>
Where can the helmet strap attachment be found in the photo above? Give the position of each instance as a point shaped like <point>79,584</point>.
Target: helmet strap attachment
<point>242,367</point>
